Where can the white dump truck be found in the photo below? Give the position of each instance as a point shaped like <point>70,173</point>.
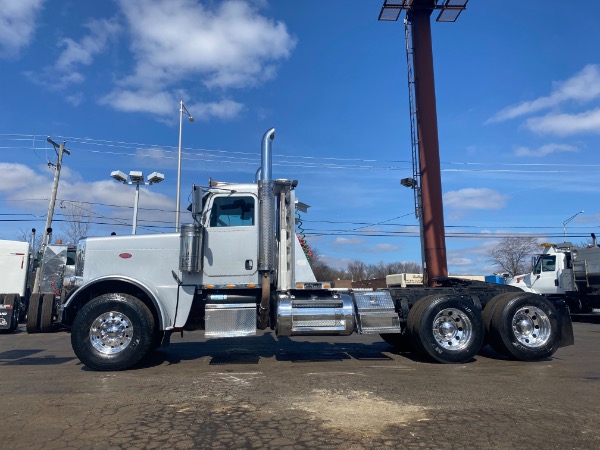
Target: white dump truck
<point>240,268</point>
<point>14,272</point>
<point>565,271</point>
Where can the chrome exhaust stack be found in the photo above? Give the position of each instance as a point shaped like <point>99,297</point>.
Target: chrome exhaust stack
<point>266,233</point>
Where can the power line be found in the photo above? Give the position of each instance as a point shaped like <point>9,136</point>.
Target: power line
<point>303,161</point>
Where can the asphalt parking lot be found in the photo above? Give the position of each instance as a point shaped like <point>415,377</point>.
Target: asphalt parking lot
<point>336,392</point>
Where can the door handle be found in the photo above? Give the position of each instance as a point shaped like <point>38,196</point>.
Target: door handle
<point>249,264</point>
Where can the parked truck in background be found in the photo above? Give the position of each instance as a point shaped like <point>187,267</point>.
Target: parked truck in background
<point>240,268</point>
<point>565,272</point>
<point>18,269</point>
<point>14,272</point>
<point>52,264</point>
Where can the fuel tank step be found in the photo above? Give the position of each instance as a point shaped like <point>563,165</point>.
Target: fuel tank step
<point>326,314</point>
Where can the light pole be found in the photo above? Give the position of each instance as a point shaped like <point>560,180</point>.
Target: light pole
<point>136,178</point>
<point>566,222</point>
<point>182,109</point>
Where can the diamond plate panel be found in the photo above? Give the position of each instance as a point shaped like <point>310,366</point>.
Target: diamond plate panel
<point>230,320</point>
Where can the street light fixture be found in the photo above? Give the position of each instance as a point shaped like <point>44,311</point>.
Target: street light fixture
<point>135,179</point>
<point>567,221</point>
<point>182,109</point>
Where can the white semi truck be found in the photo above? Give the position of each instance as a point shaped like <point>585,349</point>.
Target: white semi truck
<point>565,271</point>
<point>14,272</point>
<point>18,268</point>
<point>239,268</point>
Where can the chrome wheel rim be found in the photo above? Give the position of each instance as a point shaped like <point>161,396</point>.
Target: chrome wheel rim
<point>452,329</point>
<point>111,332</point>
<point>531,326</point>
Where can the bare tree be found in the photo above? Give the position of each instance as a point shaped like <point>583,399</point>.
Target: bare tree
<point>324,272</point>
<point>25,236</point>
<point>511,254</point>
<point>77,223</point>
<point>358,270</point>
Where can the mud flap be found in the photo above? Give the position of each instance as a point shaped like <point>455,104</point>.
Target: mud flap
<point>566,325</point>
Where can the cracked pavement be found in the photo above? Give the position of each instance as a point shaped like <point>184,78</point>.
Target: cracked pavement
<point>352,392</point>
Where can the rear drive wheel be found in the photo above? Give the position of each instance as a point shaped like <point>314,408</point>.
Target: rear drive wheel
<point>525,327</point>
<point>446,328</point>
<point>46,313</point>
<point>33,313</point>
<point>112,332</point>
<point>488,311</point>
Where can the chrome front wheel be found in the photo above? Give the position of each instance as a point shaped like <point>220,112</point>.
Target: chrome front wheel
<point>111,332</point>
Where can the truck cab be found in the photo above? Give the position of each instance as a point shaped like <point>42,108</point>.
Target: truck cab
<point>551,272</point>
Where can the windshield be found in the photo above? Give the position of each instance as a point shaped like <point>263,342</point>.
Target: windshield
<point>545,263</point>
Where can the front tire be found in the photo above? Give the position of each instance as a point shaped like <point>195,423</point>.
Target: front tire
<point>446,328</point>
<point>113,332</point>
<point>525,327</point>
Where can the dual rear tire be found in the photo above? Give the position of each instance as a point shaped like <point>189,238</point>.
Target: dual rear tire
<point>40,314</point>
<point>523,326</point>
<point>450,329</point>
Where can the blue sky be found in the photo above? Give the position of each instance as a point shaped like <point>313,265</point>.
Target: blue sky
<point>518,100</point>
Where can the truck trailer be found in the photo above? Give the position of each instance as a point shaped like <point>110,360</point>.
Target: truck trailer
<point>239,268</point>
<point>565,272</point>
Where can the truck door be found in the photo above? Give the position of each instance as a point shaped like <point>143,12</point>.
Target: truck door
<point>546,273</point>
<point>230,252</point>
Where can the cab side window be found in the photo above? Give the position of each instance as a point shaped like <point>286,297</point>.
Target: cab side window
<point>232,212</point>
<point>549,264</point>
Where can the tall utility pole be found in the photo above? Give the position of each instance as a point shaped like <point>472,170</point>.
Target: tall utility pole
<point>418,13</point>
<point>61,149</point>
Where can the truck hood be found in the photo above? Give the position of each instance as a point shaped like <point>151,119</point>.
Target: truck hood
<point>523,282</point>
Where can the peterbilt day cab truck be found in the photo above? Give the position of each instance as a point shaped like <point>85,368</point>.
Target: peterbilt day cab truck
<point>240,268</point>
<point>565,272</point>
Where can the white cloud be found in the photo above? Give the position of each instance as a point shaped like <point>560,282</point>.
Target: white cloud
<point>475,198</point>
<point>566,124</point>
<point>459,261</point>
<point>342,241</point>
<point>175,41</point>
<point>24,183</point>
<point>338,263</point>
<point>544,150</point>
<point>229,46</point>
<point>64,72</point>
<point>379,248</point>
<point>83,52</point>
<point>148,101</point>
<point>584,86</point>
<point>17,24</point>
<point>225,109</point>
